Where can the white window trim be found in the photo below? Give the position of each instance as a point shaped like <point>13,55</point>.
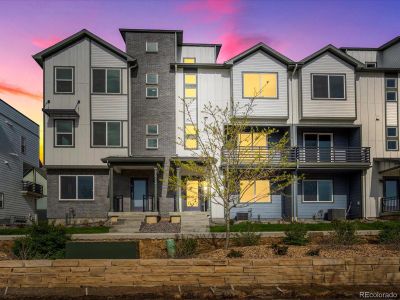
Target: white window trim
<point>392,139</point>
<point>370,63</point>
<point>107,146</point>
<point>390,136</point>
<point>317,180</point>
<point>106,81</point>
<point>329,90</point>
<point>77,191</point>
<point>147,81</point>
<point>72,80</point>
<point>147,129</point>
<point>151,51</point>
<point>151,87</point>
<point>2,198</point>
<point>391,91</point>
<point>391,78</point>
<point>57,132</point>
<point>147,144</point>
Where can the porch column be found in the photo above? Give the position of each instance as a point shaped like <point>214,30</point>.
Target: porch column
<point>111,188</point>
<point>179,189</point>
<point>294,196</point>
<point>155,189</point>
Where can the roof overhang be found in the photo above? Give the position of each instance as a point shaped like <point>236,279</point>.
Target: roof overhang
<point>201,66</point>
<point>179,33</point>
<point>61,113</point>
<point>133,159</point>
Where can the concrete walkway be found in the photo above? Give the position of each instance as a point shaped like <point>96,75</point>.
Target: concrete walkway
<point>155,236</point>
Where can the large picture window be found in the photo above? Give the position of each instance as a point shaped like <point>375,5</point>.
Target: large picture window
<point>64,80</point>
<point>64,133</point>
<point>255,191</point>
<point>106,81</point>
<point>328,86</point>
<point>76,187</point>
<point>260,85</point>
<point>106,134</point>
<point>317,191</point>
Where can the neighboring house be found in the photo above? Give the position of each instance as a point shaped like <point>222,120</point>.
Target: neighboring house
<point>19,153</point>
<point>112,117</point>
<point>38,176</point>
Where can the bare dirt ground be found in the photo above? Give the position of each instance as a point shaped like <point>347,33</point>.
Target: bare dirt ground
<point>246,292</point>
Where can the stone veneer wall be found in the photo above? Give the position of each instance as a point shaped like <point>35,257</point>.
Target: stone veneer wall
<point>173,272</point>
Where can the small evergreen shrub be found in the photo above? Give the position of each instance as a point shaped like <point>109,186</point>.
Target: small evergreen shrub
<point>390,234</point>
<point>344,233</point>
<point>313,252</point>
<point>279,250</point>
<point>186,247</point>
<point>296,234</point>
<point>43,240</point>
<point>247,238</point>
<point>234,254</point>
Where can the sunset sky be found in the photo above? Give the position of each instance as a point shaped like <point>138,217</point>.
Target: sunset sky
<point>294,27</point>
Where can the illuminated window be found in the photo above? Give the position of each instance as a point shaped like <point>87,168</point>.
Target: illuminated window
<point>253,139</point>
<point>191,137</point>
<point>257,191</point>
<point>192,193</point>
<point>260,85</point>
<point>189,60</point>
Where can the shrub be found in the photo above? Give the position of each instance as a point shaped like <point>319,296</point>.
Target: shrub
<point>279,250</point>
<point>234,254</point>
<point>43,240</point>
<point>344,232</point>
<point>296,234</point>
<point>247,238</point>
<point>185,247</point>
<point>313,252</point>
<point>390,234</point>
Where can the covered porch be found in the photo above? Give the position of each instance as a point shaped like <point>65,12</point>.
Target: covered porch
<point>390,178</point>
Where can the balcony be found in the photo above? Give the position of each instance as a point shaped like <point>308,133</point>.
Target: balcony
<point>335,157</point>
<point>390,204</point>
<point>300,157</point>
<point>32,189</point>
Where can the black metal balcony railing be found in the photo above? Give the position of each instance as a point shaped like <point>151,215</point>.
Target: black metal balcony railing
<point>390,204</point>
<point>150,203</point>
<point>301,155</point>
<point>31,187</point>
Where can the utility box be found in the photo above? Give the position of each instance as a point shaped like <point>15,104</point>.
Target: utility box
<point>336,214</point>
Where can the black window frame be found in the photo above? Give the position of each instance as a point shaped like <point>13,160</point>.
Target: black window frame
<point>373,63</point>
<point>328,86</point>
<point>106,134</point>
<point>106,92</point>
<point>55,134</point>
<point>55,80</point>
<point>76,187</point>
<point>317,181</point>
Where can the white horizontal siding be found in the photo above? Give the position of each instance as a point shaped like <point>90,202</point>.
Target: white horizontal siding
<point>391,113</point>
<point>320,109</point>
<point>102,57</point>
<point>202,54</point>
<point>109,107</point>
<point>363,56</point>
<point>261,62</point>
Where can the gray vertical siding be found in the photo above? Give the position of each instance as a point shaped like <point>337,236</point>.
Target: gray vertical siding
<point>261,62</point>
<point>13,125</point>
<point>320,109</point>
<point>272,210</point>
<point>202,54</point>
<point>390,57</point>
<point>364,55</point>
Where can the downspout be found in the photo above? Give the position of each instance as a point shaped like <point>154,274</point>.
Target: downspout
<point>293,142</point>
<point>130,110</point>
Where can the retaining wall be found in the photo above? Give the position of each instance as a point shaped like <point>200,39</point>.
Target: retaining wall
<point>199,272</point>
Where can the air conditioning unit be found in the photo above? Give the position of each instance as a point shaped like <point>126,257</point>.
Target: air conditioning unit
<point>336,214</point>
<point>242,216</point>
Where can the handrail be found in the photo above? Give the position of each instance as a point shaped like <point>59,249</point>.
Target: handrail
<point>390,204</point>
<point>28,186</point>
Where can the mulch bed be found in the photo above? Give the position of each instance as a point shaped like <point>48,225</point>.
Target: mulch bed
<point>161,227</point>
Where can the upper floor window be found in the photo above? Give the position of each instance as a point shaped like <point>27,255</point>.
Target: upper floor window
<point>152,47</point>
<point>317,191</point>
<point>64,133</point>
<point>391,82</point>
<point>152,129</point>
<point>152,142</point>
<point>370,65</point>
<point>64,80</point>
<point>76,187</point>
<point>260,85</point>
<point>106,81</point>
<point>328,86</point>
<point>106,134</point>
<point>23,145</point>
<point>189,60</point>
<point>152,78</point>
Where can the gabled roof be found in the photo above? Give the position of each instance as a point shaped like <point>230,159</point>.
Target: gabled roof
<point>335,51</point>
<point>260,46</point>
<point>39,57</point>
<point>380,48</point>
<point>179,33</point>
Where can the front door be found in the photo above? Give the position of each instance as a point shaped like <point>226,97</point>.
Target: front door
<point>318,146</point>
<point>194,195</point>
<point>138,194</point>
<point>391,194</point>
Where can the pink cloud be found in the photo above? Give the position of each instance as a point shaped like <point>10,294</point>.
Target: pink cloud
<point>18,91</point>
<point>210,9</point>
<point>45,43</point>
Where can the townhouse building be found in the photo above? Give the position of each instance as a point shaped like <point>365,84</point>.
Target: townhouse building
<point>111,118</point>
<point>19,155</point>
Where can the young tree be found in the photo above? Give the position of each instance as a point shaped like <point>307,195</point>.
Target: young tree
<point>235,159</point>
